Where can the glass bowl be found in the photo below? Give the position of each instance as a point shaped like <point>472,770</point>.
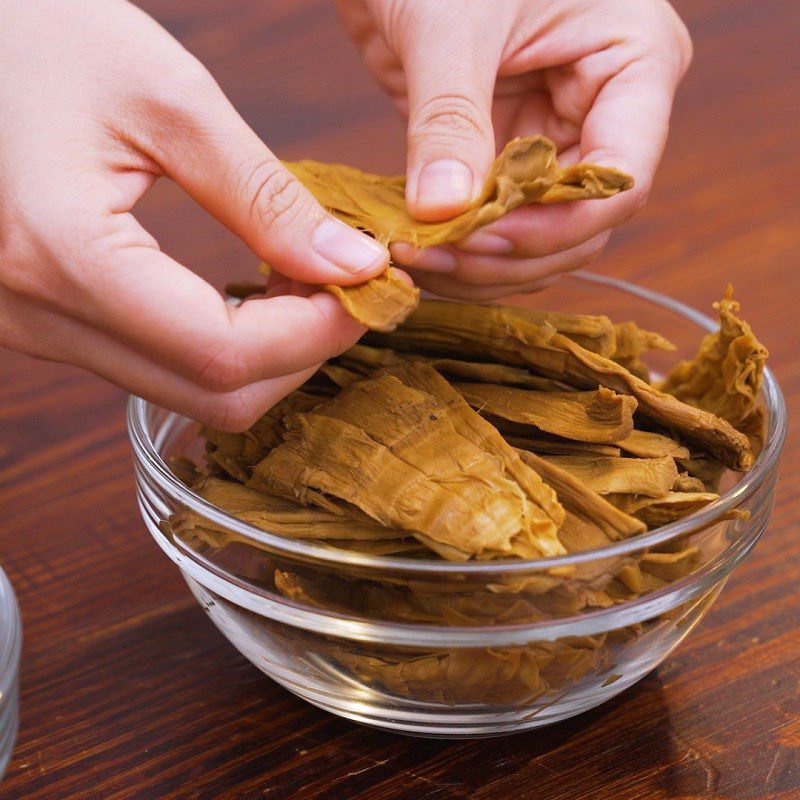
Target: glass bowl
<point>436,648</point>
<point>10,650</point>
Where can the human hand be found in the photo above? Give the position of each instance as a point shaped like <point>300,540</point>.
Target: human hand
<point>98,102</point>
<point>596,76</point>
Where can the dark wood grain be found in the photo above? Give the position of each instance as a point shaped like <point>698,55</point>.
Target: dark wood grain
<point>128,692</point>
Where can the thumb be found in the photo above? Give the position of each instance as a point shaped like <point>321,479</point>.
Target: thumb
<point>220,161</point>
<point>450,78</point>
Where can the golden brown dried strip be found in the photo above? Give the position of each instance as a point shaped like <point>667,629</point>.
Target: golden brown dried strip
<point>636,367</point>
<point>594,332</point>
<point>673,565</point>
<point>238,453</point>
<point>404,546</point>
<point>526,171</point>
<point>598,416</point>
<point>402,462</point>
<point>657,511</point>
<point>654,571</point>
<point>473,427</point>
<point>688,483</point>
<point>511,675</point>
<point>578,498</point>
<point>285,517</point>
<point>653,477</point>
<point>225,452</point>
<point>708,469</point>
<point>497,373</point>
<point>268,430</point>
<point>560,357</point>
<point>725,375</point>
<point>631,341</point>
<point>647,444</point>
<point>340,375</point>
<point>553,447</point>
<point>754,427</point>
<point>578,533</point>
<point>587,182</point>
<point>184,469</point>
<point>366,360</point>
<point>403,602</point>
<point>380,304</point>
<point>443,328</point>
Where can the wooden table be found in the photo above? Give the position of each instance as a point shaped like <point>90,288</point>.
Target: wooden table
<point>129,692</point>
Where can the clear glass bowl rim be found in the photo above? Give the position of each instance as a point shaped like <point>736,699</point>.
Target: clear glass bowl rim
<point>10,637</point>
<point>146,455</point>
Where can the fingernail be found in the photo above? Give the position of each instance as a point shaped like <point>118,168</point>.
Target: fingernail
<point>444,184</point>
<point>433,259</point>
<point>348,249</point>
<point>486,244</point>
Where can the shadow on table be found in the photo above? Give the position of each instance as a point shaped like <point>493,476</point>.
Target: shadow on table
<point>626,744</point>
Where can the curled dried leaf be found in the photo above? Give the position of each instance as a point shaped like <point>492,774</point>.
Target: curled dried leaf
<point>381,303</point>
<point>632,342</point>
<point>725,375</point>
<point>527,171</point>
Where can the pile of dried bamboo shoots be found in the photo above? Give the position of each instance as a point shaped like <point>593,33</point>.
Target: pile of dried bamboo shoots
<point>471,432</point>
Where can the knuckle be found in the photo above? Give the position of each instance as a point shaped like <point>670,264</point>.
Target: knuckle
<point>275,196</point>
<point>224,370</point>
<point>449,115</point>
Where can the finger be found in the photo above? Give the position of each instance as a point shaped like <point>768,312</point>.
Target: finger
<point>190,129</point>
<point>628,123</point>
<point>450,72</point>
<point>528,113</point>
<point>479,269</point>
<point>626,128</point>
<point>124,285</point>
<point>46,334</point>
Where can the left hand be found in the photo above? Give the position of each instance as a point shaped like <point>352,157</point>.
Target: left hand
<point>596,76</point>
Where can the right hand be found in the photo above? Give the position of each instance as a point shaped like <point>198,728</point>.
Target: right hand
<point>98,101</point>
